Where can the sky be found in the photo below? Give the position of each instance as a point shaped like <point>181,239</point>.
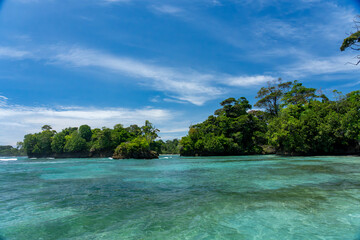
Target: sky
<point>102,62</point>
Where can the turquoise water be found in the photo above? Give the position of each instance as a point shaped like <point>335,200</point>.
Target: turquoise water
<point>246,197</point>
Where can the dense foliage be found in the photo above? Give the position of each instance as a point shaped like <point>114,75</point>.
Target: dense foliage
<point>11,151</point>
<point>231,131</point>
<point>169,146</point>
<point>352,41</point>
<point>136,148</point>
<point>87,142</point>
<point>294,121</point>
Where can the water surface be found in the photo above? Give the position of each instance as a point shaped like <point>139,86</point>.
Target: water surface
<point>246,197</point>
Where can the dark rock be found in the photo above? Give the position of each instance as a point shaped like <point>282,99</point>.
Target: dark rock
<point>143,154</point>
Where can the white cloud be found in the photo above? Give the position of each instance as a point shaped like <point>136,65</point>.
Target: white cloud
<point>172,100</point>
<point>155,99</point>
<point>190,86</point>
<point>168,9</point>
<point>175,130</point>
<point>3,100</point>
<point>7,52</point>
<point>180,85</point>
<point>248,81</point>
<point>275,28</point>
<point>316,66</point>
<point>16,121</point>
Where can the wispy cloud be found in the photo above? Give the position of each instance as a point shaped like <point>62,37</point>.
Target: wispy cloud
<point>167,9</point>
<point>8,52</point>
<point>248,81</point>
<point>190,86</point>
<point>3,100</point>
<point>181,85</point>
<point>321,65</point>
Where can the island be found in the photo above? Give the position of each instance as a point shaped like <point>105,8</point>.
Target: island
<point>292,120</point>
<point>9,151</point>
<point>84,142</point>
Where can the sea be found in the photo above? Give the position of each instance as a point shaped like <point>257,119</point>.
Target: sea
<point>240,197</point>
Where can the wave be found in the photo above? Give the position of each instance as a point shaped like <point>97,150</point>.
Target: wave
<point>8,159</point>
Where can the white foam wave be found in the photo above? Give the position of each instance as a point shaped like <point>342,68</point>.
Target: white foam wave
<point>8,159</point>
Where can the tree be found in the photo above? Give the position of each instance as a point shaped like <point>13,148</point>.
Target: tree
<point>69,130</point>
<point>75,143</point>
<point>58,142</point>
<point>46,127</point>
<point>271,95</point>
<point>134,129</point>
<point>119,135</point>
<point>85,132</point>
<point>85,141</point>
<point>232,131</point>
<point>29,143</point>
<point>149,131</point>
<point>101,140</point>
<point>299,94</point>
<point>233,108</point>
<point>353,40</point>
<point>136,148</point>
<point>44,141</point>
<point>169,146</point>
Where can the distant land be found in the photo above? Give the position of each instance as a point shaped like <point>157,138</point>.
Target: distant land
<point>294,120</point>
<point>8,150</point>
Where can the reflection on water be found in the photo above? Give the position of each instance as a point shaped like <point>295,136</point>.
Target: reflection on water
<point>245,197</point>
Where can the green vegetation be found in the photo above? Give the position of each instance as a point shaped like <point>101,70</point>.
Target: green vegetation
<point>136,148</point>
<point>294,121</point>
<point>169,146</point>
<point>232,131</point>
<point>11,151</point>
<point>353,40</point>
<point>130,142</point>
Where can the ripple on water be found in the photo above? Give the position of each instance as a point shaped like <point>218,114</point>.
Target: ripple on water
<point>246,197</point>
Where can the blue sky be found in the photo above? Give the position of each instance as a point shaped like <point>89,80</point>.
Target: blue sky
<point>102,62</point>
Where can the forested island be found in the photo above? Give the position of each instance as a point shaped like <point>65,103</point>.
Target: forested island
<point>8,150</point>
<point>295,120</point>
<point>83,142</point>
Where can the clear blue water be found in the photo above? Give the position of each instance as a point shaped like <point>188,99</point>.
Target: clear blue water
<point>246,197</point>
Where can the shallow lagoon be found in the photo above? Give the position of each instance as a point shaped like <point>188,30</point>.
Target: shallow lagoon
<point>246,197</point>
